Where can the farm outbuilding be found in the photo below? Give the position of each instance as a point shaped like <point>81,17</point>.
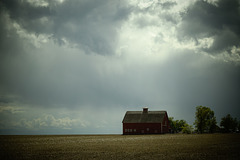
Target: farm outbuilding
<point>145,122</point>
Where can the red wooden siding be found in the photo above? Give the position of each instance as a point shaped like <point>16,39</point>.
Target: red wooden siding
<point>142,128</point>
<point>166,124</point>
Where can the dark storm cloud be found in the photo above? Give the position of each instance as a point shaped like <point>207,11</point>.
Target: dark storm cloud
<point>76,80</point>
<point>220,21</point>
<point>168,5</point>
<point>29,75</point>
<point>11,45</point>
<point>91,25</point>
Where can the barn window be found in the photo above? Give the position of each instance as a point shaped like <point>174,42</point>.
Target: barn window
<point>134,130</point>
<point>130,130</point>
<point>147,129</point>
<point>126,130</point>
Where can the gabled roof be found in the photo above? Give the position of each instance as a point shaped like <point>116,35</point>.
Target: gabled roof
<point>141,117</point>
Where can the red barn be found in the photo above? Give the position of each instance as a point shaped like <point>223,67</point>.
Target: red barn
<point>145,122</point>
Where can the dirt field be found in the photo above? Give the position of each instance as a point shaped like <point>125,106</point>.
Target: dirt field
<point>169,146</point>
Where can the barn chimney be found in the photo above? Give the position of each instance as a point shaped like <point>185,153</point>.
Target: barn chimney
<point>145,109</point>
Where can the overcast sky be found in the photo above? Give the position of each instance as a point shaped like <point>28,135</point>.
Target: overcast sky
<point>76,66</point>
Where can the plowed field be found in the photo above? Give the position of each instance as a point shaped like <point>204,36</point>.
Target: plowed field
<point>169,146</point>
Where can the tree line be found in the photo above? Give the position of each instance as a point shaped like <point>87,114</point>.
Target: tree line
<point>205,122</point>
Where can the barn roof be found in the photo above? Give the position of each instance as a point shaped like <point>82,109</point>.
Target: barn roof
<point>141,117</point>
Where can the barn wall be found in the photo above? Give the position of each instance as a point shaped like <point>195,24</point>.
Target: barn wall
<point>142,128</point>
<point>166,124</point>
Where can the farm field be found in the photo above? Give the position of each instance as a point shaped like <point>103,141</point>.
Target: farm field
<point>168,146</point>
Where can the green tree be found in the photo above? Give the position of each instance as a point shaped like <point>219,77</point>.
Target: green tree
<point>172,124</point>
<point>205,121</point>
<point>187,128</point>
<point>229,123</point>
<point>212,124</point>
<point>176,125</point>
<point>180,124</point>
